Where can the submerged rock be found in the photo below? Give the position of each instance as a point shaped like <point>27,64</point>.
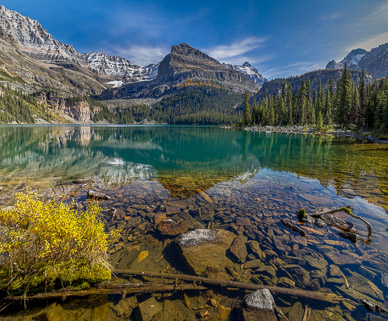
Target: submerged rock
<point>254,246</point>
<point>205,250</point>
<point>148,309</point>
<point>238,248</point>
<point>198,236</point>
<point>171,228</point>
<point>82,181</point>
<point>260,305</point>
<point>260,299</point>
<point>98,195</point>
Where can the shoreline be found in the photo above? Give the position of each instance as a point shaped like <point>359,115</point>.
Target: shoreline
<point>311,130</point>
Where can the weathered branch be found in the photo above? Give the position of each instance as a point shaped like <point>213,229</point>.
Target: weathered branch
<point>347,210</point>
<point>314,295</point>
<point>107,289</point>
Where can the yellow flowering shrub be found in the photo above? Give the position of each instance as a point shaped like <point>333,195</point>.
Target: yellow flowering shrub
<point>44,241</point>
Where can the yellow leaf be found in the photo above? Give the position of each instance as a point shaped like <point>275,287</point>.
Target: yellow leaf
<point>142,255</point>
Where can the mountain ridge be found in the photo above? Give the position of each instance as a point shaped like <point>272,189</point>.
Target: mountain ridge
<point>184,63</point>
<point>374,61</point>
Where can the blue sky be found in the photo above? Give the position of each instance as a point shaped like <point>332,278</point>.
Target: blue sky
<point>280,38</point>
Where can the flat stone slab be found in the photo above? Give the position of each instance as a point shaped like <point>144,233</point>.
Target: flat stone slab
<point>205,251</point>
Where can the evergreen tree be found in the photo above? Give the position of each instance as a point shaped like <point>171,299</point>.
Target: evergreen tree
<point>344,98</point>
<point>362,94</point>
<point>247,110</point>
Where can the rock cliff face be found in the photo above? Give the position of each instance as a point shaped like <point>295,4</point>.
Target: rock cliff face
<point>182,64</point>
<point>374,62</point>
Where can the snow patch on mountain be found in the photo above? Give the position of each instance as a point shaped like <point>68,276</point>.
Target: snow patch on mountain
<point>115,83</point>
<point>352,60</point>
<point>251,72</point>
<point>107,65</point>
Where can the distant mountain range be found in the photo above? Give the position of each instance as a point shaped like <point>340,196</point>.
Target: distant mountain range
<point>33,61</point>
<point>375,62</point>
<point>183,65</point>
<point>30,52</point>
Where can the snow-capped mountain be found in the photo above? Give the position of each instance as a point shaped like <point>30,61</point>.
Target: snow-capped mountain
<point>375,61</point>
<point>352,60</point>
<point>115,66</point>
<point>33,39</point>
<point>250,71</point>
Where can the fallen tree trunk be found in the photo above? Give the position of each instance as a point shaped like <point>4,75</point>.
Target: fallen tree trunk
<point>108,289</point>
<point>314,295</point>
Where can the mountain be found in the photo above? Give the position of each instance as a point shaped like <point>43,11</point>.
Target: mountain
<point>275,86</point>
<point>185,65</point>
<point>114,66</point>
<point>30,53</point>
<point>374,62</point>
<point>247,69</point>
<point>352,59</point>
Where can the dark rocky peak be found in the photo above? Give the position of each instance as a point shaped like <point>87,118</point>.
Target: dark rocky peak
<point>185,61</point>
<point>189,53</point>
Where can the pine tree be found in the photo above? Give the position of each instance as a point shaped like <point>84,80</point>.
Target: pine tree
<point>344,98</point>
<point>247,110</point>
<point>362,94</point>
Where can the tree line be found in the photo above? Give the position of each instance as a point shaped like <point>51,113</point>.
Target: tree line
<point>345,103</point>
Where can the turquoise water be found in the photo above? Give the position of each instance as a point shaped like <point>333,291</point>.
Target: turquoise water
<point>265,177</point>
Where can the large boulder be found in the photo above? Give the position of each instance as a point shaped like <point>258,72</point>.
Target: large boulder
<point>204,251</point>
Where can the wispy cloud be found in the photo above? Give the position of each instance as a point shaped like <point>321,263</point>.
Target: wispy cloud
<point>332,16</point>
<point>293,69</point>
<point>143,55</point>
<point>372,29</point>
<point>373,42</point>
<point>379,16</point>
<point>239,51</point>
<point>235,49</point>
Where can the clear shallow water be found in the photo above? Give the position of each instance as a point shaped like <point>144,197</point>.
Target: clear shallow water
<point>259,176</point>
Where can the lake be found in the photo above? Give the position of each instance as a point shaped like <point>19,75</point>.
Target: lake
<point>207,177</point>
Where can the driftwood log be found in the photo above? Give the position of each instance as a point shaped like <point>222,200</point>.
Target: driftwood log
<point>108,289</point>
<point>313,295</point>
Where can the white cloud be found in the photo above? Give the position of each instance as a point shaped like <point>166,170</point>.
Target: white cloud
<point>373,42</point>
<point>296,68</point>
<point>143,55</point>
<point>333,16</point>
<point>235,49</point>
